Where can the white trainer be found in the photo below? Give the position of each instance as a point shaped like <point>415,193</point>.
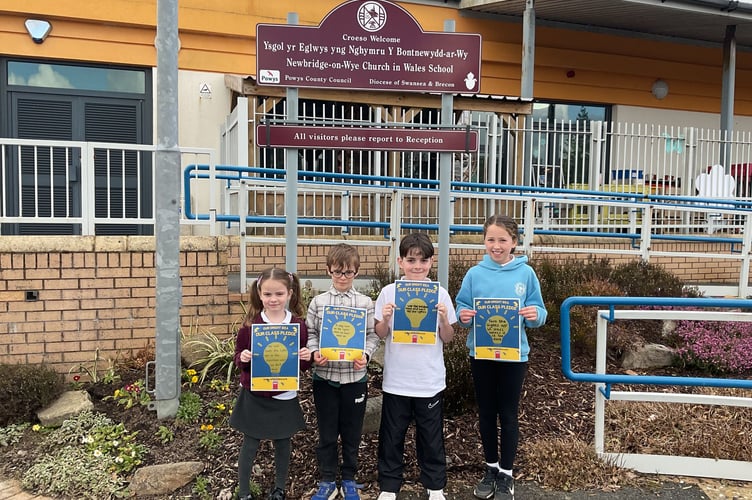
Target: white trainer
<point>387,495</point>
<point>436,495</point>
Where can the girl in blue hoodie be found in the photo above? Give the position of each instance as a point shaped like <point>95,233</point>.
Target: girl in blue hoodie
<point>498,384</point>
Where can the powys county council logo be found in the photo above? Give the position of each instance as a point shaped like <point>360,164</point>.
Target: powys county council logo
<point>371,16</point>
<point>269,76</point>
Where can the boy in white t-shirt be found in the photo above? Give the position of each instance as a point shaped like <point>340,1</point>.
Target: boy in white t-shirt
<point>414,381</point>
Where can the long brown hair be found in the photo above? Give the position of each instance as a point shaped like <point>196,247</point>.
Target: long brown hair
<point>291,281</point>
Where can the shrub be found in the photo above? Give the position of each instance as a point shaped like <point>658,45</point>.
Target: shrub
<point>459,395</point>
<point>644,279</point>
<point>583,319</point>
<point>218,356</point>
<point>82,476</point>
<point>716,346</point>
<point>86,457</point>
<point>26,389</point>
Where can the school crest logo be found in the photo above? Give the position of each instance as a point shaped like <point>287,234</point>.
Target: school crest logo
<point>520,289</point>
<point>372,16</point>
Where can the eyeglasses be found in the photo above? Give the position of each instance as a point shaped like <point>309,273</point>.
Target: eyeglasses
<point>346,274</point>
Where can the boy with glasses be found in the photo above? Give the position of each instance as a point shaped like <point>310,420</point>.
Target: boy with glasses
<point>340,388</point>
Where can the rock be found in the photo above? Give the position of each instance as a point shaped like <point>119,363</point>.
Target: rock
<point>669,327</point>
<point>648,356</point>
<point>372,419</point>
<point>378,356</point>
<point>68,405</point>
<point>163,479</point>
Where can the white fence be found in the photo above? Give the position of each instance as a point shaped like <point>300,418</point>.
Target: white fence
<point>656,463</point>
<point>588,156</point>
<point>83,188</point>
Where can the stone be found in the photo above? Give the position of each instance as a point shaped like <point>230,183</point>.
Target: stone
<point>163,479</point>
<point>648,356</point>
<point>372,418</point>
<point>69,404</point>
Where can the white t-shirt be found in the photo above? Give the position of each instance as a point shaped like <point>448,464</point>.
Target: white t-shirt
<point>414,370</point>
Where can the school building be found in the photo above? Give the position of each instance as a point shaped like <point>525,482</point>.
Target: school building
<point>76,75</point>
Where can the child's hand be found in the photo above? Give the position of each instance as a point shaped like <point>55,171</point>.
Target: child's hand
<point>245,356</point>
<point>442,310</point>
<point>319,359</point>
<point>530,313</point>
<point>304,354</point>
<point>361,362</point>
<point>388,311</point>
<point>466,315</point>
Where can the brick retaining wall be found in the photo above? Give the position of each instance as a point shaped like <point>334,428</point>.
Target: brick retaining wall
<point>64,298</point>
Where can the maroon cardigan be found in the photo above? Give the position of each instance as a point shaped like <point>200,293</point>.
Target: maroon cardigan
<point>243,341</point>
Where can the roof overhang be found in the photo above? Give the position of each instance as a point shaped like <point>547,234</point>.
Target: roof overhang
<point>683,21</point>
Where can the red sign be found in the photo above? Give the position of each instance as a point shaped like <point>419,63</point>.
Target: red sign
<point>369,45</point>
<point>382,139</point>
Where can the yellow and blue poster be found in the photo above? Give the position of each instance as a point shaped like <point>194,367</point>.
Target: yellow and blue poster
<point>415,319</point>
<point>343,333</point>
<point>497,329</point>
<point>275,366</point>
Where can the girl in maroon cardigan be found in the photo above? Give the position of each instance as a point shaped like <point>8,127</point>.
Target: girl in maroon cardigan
<point>275,298</point>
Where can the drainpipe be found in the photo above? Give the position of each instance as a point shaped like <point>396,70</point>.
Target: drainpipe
<point>727,94</point>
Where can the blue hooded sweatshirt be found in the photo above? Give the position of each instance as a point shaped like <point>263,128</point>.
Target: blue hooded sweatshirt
<point>515,279</point>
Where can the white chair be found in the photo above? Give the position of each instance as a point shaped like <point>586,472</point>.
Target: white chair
<point>715,185</point>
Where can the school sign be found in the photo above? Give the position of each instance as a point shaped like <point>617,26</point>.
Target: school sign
<point>368,45</point>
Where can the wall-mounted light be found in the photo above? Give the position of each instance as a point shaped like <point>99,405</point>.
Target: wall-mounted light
<point>659,89</point>
<point>38,29</point>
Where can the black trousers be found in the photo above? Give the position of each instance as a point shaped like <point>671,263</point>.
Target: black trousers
<point>498,387</point>
<point>396,414</point>
<point>339,411</point>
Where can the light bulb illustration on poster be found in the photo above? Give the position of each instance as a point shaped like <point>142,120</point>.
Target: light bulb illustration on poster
<point>415,319</point>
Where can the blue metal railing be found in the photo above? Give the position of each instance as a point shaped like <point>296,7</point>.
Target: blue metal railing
<point>611,303</point>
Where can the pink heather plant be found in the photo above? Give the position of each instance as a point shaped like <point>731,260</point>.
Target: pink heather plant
<point>725,346</point>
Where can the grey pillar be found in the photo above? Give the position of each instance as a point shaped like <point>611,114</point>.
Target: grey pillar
<point>727,94</point>
<point>167,230</point>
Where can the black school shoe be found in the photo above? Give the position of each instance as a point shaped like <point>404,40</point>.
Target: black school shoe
<point>486,488</point>
<point>277,494</point>
<point>504,487</point>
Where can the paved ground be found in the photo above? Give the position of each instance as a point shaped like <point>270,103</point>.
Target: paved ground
<point>692,489</point>
<point>11,490</point>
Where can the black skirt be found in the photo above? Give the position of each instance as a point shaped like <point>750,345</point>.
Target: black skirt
<point>266,418</point>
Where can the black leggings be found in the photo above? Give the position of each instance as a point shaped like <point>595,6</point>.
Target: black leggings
<point>248,454</point>
<point>498,387</point>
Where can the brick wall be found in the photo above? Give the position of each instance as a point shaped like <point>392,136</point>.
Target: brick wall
<point>64,298</point>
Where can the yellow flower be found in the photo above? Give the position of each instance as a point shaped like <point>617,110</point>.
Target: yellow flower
<point>190,372</point>
<point>36,427</point>
<point>117,392</point>
<point>194,379</point>
<point>207,427</point>
<point>221,406</point>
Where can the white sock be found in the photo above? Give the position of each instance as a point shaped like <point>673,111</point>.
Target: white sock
<point>494,465</point>
<point>508,472</point>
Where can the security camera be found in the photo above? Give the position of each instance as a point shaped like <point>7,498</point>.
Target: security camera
<point>38,30</point>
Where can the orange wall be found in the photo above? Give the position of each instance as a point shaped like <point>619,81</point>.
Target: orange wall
<point>220,37</point>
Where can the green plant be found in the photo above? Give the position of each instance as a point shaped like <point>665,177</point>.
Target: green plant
<point>254,488</point>
<point>165,434</point>
<point>218,355</point>
<point>117,443</point>
<point>189,409</point>
<point>82,476</point>
<point>92,371</point>
<point>210,439</point>
<point>202,488</point>
<point>12,434</point>
<point>131,394</point>
<point>26,389</point>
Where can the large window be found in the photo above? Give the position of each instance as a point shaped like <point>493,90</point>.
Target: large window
<point>561,143</point>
